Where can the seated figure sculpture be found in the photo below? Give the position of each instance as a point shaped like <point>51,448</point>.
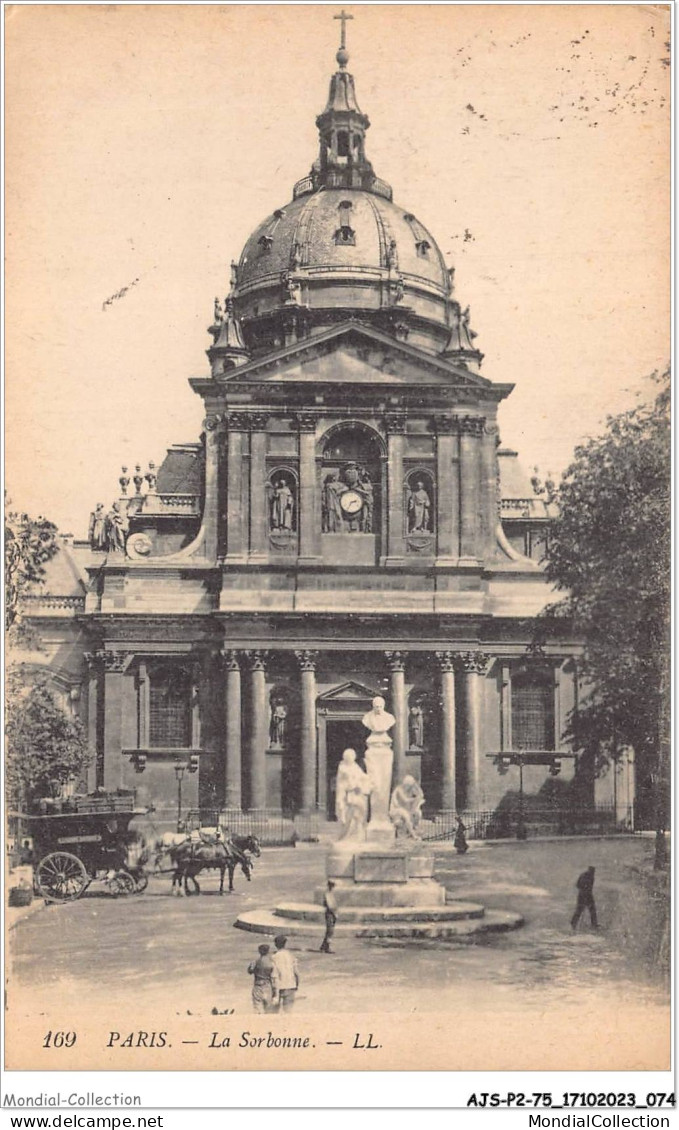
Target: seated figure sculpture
<point>405,808</point>
<point>351,797</point>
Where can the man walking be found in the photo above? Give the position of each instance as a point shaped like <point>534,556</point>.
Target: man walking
<point>263,995</point>
<point>585,887</point>
<point>330,904</point>
<point>285,974</point>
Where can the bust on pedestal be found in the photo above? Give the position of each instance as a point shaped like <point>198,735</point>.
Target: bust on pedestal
<point>379,759</point>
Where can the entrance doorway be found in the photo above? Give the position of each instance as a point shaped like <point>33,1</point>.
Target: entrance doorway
<point>341,734</point>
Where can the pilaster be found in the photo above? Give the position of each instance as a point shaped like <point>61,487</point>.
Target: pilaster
<point>447,491</point>
<point>258,517</point>
<point>237,424</point>
<point>471,432</point>
<point>395,423</point>
<point>309,535</point>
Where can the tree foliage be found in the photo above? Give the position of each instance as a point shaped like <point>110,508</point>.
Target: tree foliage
<point>29,544</point>
<point>46,747</point>
<point>610,553</point>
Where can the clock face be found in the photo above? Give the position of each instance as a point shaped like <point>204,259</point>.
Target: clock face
<point>351,502</point>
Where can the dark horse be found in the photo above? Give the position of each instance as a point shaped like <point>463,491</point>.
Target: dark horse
<point>223,855</point>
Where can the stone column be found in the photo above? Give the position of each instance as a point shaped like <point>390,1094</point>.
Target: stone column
<point>258,737</point>
<point>397,665</point>
<point>447,491</point>
<point>212,427</point>
<point>115,664</point>
<point>471,430</point>
<point>308,509</point>
<point>446,660</point>
<point>232,783</point>
<point>307,735</point>
<point>235,530</point>
<point>474,665</point>
<point>95,775</point>
<point>258,514</point>
<point>396,426</point>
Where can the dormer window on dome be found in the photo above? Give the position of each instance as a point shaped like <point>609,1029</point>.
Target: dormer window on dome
<point>345,234</point>
<point>265,243</point>
<point>422,241</point>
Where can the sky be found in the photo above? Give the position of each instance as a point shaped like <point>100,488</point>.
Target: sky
<point>145,143</point>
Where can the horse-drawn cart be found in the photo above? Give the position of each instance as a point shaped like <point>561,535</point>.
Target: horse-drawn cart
<point>91,839</point>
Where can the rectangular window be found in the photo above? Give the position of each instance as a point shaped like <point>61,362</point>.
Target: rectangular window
<point>170,710</point>
<point>532,713</point>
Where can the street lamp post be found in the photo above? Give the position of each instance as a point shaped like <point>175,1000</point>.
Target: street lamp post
<point>521,832</point>
<point>180,768</point>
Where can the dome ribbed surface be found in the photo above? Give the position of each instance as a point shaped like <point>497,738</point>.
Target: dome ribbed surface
<point>302,236</point>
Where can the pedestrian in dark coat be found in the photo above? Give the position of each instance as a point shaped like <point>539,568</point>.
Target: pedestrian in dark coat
<point>460,841</point>
<point>330,904</point>
<point>585,887</point>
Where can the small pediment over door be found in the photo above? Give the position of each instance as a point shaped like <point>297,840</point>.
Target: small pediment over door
<point>348,696</point>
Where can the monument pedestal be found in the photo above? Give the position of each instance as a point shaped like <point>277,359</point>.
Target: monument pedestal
<point>382,892</point>
<point>384,887</point>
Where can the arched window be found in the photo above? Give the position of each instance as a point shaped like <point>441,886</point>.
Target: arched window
<point>169,707</point>
<point>533,710</point>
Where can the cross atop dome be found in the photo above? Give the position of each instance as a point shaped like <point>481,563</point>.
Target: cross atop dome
<point>342,126</point>
<point>343,55</point>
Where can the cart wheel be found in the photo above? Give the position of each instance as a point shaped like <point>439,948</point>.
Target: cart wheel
<point>141,881</point>
<point>121,883</point>
<point>61,877</point>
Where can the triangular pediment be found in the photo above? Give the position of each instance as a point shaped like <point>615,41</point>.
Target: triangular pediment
<point>349,692</point>
<point>353,353</point>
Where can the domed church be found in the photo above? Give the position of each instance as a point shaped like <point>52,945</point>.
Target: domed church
<point>346,525</point>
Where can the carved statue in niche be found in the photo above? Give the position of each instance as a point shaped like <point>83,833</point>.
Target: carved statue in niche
<point>419,510</point>
<point>281,506</point>
<point>278,724</point>
<point>416,725</point>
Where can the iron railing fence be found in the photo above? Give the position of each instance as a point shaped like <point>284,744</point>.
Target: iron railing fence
<point>498,823</point>
<point>269,825</point>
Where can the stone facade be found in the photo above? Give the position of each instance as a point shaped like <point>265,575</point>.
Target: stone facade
<point>346,525</point>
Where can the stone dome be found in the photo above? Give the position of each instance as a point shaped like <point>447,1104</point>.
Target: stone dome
<point>341,249</point>
<point>349,251</point>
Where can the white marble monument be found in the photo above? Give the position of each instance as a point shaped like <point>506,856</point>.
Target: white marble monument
<point>379,760</point>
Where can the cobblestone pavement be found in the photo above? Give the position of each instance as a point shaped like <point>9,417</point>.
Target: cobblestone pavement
<point>149,949</point>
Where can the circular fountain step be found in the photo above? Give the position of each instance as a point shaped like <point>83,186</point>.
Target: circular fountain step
<point>312,912</point>
<point>417,925</point>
